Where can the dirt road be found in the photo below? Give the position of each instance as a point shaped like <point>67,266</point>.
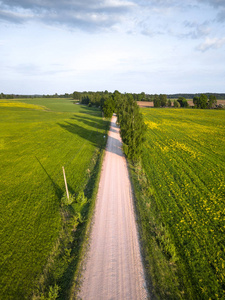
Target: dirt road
<point>114,269</point>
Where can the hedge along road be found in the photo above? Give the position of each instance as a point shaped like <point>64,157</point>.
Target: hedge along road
<point>114,269</point>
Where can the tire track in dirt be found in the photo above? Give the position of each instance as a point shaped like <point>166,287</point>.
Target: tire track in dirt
<point>114,269</point>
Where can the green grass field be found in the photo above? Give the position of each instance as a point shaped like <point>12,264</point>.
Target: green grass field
<point>182,205</point>
<point>37,138</point>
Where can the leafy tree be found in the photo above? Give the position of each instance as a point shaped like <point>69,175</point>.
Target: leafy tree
<point>176,103</point>
<point>76,95</point>
<point>169,103</point>
<point>183,102</point>
<point>96,99</point>
<point>85,99</point>
<point>119,104</point>
<point>163,100</point>
<point>156,101</point>
<point>196,101</point>
<point>212,101</point>
<point>141,97</point>
<point>108,107</point>
<point>203,101</point>
<point>132,127</point>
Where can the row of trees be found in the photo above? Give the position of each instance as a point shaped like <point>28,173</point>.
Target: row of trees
<point>132,126</point>
<point>199,102</point>
<point>16,96</point>
<point>204,102</point>
<point>220,96</point>
<point>162,101</point>
<point>10,96</point>
<point>92,98</point>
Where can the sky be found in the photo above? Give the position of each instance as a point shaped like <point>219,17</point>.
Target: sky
<point>151,46</point>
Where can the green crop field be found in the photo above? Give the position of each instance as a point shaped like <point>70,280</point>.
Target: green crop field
<point>37,138</point>
<point>182,205</point>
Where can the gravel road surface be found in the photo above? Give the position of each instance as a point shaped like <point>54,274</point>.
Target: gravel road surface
<point>113,269</point>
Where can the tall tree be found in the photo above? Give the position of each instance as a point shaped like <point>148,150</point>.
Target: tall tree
<point>176,103</point>
<point>163,99</point>
<point>212,101</point>
<point>203,101</point>
<point>183,102</point>
<point>132,127</point>
<point>156,101</point>
<point>108,107</point>
<point>196,101</point>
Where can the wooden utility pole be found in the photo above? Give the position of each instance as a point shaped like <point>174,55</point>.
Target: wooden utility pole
<point>67,192</point>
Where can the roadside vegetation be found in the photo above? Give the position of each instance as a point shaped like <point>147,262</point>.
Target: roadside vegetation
<point>129,117</point>
<point>180,198</point>
<point>41,232</point>
<point>132,126</point>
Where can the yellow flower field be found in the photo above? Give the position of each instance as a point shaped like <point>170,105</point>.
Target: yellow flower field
<point>184,161</point>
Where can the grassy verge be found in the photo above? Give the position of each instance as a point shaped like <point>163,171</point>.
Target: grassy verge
<point>159,255</point>
<point>75,286</point>
<point>62,272</point>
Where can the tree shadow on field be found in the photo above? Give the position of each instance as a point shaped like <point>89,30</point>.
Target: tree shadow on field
<point>95,137</point>
<point>92,136</point>
<point>57,189</point>
<point>94,111</point>
<point>96,123</point>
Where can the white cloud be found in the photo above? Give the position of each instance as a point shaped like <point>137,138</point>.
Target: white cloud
<point>131,45</point>
<point>88,15</point>
<point>211,43</point>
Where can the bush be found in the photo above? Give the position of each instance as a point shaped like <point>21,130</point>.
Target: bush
<point>176,103</point>
<point>52,294</point>
<point>66,201</point>
<point>183,102</point>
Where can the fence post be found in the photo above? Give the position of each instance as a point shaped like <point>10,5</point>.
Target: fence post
<point>67,192</point>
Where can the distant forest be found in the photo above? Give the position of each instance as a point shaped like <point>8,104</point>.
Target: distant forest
<point>138,97</point>
<point>219,96</point>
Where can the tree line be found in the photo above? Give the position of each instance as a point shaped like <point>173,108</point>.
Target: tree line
<point>132,126</point>
<point>129,117</point>
<point>16,96</point>
<point>220,96</point>
<point>202,101</point>
<point>98,99</point>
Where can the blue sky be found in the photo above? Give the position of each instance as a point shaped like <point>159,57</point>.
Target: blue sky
<point>158,46</point>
